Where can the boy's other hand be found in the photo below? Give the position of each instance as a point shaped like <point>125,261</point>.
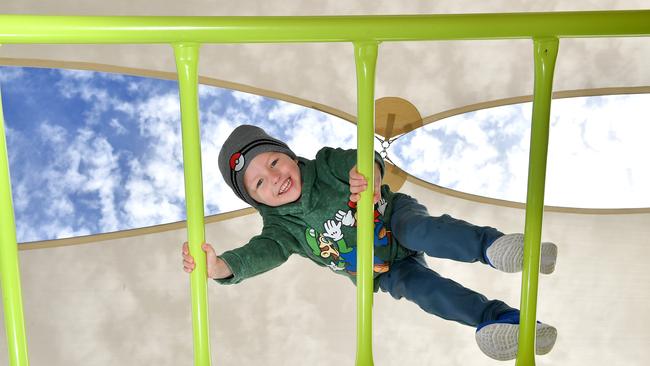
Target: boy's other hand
<point>188,260</point>
<point>216,267</point>
<point>358,184</point>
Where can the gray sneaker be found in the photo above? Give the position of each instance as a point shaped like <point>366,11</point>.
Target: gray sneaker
<point>500,340</point>
<point>507,254</point>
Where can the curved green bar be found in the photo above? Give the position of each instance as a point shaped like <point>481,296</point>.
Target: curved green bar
<point>365,56</point>
<point>113,29</point>
<point>9,271</point>
<point>187,57</point>
<point>545,56</point>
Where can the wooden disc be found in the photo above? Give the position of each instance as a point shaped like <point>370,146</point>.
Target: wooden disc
<point>395,116</point>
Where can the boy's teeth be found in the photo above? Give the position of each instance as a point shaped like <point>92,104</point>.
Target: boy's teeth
<point>285,186</point>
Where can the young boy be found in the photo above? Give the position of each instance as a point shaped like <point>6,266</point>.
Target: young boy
<point>309,208</point>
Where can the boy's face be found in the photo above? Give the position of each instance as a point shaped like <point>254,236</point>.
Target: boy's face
<point>273,179</point>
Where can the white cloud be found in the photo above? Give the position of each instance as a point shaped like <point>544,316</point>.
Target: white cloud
<point>52,133</point>
<point>145,205</point>
<point>96,165</point>
<point>154,187</point>
<point>77,74</point>
<point>309,130</point>
<point>420,154</point>
<point>251,99</point>
<point>60,206</point>
<point>459,155</point>
<point>118,127</point>
<point>82,84</point>
<point>597,150</point>
<point>10,73</point>
<point>473,152</point>
<point>82,164</point>
<point>21,197</point>
<point>206,91</point>
<point>112,76</point>
<point>253,104</point>
<point>516,172</point>
<point>283,111</point>
<point>103,179</point>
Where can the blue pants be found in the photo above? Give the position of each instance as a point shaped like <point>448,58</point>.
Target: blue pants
<point>440,237</point>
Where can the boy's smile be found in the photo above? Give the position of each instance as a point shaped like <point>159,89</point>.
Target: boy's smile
<point>273,179</point>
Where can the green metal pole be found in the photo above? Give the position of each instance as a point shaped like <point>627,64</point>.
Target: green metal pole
<point>545,55</point>
<point>187,57</point>
<point>12,298</point>
<point>365,54</point>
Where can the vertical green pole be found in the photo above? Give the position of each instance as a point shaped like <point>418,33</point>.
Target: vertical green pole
<point>365,54</point>
<point>187,57</point>
<point>12,298</point>
<point>545,55</point>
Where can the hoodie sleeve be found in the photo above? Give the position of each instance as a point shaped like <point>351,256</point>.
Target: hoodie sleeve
<point>340,161</point>
<point>259,255</point>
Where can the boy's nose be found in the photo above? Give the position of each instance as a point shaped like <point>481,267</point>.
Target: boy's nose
<point>275,177</point>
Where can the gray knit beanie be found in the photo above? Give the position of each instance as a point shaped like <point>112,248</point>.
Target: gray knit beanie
<point>243,144</point>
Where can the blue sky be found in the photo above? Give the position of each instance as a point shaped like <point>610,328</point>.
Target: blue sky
<point>93,152</point>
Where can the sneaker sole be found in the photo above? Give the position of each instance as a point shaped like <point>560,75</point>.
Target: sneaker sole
<point>508,255</point>
<point>499,341</point>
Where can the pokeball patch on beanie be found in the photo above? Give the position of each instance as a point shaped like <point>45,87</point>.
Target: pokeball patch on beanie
<point>237,161</point>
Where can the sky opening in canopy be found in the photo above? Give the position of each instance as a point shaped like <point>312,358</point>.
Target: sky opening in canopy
<point>597,152</point>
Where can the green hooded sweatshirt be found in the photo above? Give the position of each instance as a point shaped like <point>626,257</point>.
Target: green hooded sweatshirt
<point>320,225</point>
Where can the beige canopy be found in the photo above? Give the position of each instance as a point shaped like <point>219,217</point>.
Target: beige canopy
<point>122,298</point>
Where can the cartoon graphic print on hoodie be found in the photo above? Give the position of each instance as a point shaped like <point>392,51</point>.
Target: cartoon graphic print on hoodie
<point>331,245</point>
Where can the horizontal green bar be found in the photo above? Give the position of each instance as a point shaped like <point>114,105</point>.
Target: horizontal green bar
<point>114,29</point>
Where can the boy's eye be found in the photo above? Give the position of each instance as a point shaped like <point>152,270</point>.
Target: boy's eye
<point>274,162</point>
<point>259,184</point>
